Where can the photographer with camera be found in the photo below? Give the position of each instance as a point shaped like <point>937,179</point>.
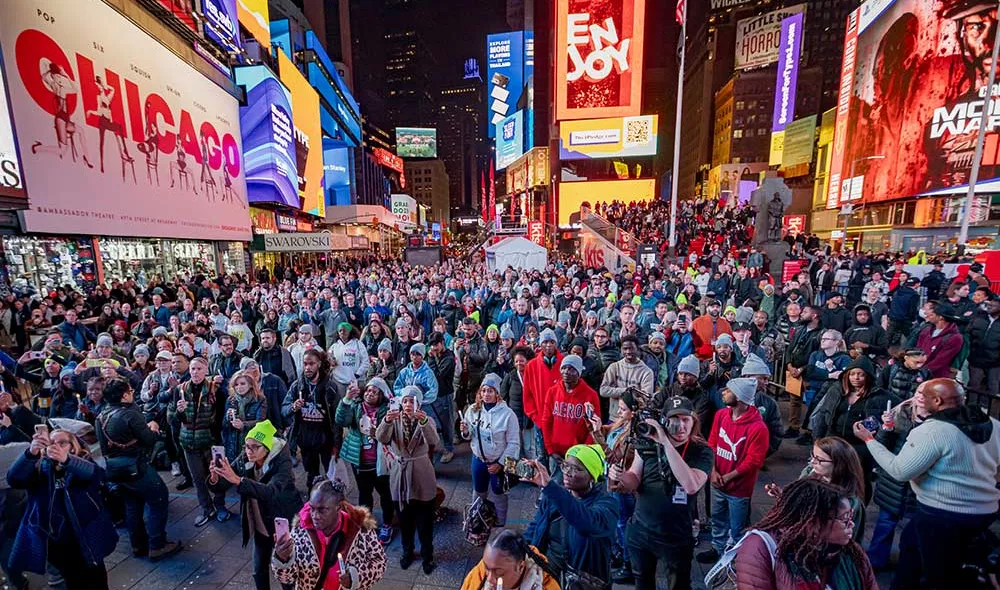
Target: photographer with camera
<point>670,465</point>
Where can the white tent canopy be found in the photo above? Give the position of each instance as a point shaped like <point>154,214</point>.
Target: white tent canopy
<point>518,253</point>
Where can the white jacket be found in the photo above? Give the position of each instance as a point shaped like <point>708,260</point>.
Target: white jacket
<point>352,361</point>
<point>493,434</point>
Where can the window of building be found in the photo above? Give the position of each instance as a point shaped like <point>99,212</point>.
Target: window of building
<point>738,133</point>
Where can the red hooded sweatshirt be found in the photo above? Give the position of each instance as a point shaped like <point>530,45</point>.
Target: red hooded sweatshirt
<point>739,446</point>
<point>564,418</point>
<point>538,378</point>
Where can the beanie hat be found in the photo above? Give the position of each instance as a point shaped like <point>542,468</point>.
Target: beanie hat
<point>380,384</point>
<point>305,329</point>
<point>744,314</point>
<point>636,300</point>
<point>724,339</point>
<point>492,328</point>
<point>754,365</point>
<point>744,388</point>
<point>418,348</point>
<point>592,457</point>
<point>345,326</point>
<point>506,332</point>
<point>141,350</point>
<point>414,392</point>
<point>401,322</point>
<point>263,433</point>
<point>385,345</point>
<point>572,360</point>
<point>164,355</point>
<point>546,335</point>
<point>105,340</point>
<point>729,308</point>
<point>563,317</point>
<point>66,372</point>
<point>579,341</point>
<point>158,331</point>
<point>246,362</point>
<point>689,365</point>
<point>657,336</point>
<point>492,380</point>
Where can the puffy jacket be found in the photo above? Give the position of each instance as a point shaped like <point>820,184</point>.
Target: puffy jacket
<point>494,434</point>
<point>423,378</point>
<point>473,363</point>
<point>900,381</point>
<point>512,392</point>
<point>984,341</point>
<point>754,570</point>
<point>349,413</point>
<point>590,528</point>
<point>250,411</point>
<point>894,496</point>
<point>904,305</point>
<point>72,513</point>
<point>198,418</point>
<point>817,373</point>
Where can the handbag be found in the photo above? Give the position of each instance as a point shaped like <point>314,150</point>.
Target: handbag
<point>120,469</point>
<point>573,579</point>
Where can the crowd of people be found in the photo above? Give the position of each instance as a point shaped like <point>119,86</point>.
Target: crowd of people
<point>643,404</point>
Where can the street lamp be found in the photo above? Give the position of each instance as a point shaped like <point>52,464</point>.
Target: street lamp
<point>847,215</point>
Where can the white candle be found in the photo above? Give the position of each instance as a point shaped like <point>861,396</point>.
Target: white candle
<point>340,562</point>
<point>499,583</point>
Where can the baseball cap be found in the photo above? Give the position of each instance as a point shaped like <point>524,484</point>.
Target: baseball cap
<point>678,406</point>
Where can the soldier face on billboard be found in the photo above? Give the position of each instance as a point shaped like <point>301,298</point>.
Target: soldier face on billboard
<point>976,33</point>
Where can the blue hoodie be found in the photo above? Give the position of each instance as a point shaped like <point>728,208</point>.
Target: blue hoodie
<point>423,378</point>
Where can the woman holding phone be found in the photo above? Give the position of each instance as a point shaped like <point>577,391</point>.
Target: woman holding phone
<point>494,435</point>
<point>245,408</point>
<point>266,486</point>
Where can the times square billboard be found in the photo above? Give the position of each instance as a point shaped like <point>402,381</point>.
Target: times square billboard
<point>912,90</point>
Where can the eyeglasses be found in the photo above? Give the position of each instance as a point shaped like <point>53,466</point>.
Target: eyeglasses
<point>569,469</point>
<point>847,519</point>
<point>816,459</point>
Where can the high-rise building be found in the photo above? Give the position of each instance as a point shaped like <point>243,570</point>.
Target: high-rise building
<point>460,138</point>
<point>428,184</point>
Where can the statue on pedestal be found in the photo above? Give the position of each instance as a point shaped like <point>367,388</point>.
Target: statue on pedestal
<point>771,201</point>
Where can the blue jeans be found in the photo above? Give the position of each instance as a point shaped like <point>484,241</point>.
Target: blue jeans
<point>626,507</point>
<point>440,411</point>
<point>880,548</point>
<point>730,517</point>
<point>483,480</point>
<point>148,491</point>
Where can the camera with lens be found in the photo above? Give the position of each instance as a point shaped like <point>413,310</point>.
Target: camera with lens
<point>639,426</point>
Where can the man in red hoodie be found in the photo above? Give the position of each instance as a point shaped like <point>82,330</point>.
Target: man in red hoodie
<point>540,374</point>
<point>740,440</point>
<point>563,414</point>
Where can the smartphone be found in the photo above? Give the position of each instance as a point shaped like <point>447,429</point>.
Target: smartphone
<point>524,470</point>
<point>42,429</point>
<point>589,408</point>
<point>394,405</point>
<point>871,424</point>
<point>280,527</point>
<point>38,355</point>
<point>217,454</point>
<point>99,363</point>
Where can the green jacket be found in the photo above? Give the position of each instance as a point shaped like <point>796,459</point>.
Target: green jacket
<point>349,413</point>
<point>198,419</point>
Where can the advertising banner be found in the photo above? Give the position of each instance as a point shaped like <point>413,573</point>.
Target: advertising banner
<point>618,137</point>
<point>800,139</point>
<point>726,179</point>
<point>337,95</point>
<point>337,176</point>
<point>254,16</point>
<point>284,222</point>
<point>388,159</point>
<point>416,142</point>
<point>268,142</point>
<point>789,51</point>
<point>577,197</point>
<point>182,10</point>
<point>404,207</point>
<point>262,221</point>
<point>124,137</point>
<point>510,139</point>
<point>222,23</point>
<point>598,52</point>
<point>435,231</point>
<point>597,252</point>
<point>913,88</point>
<point>758,37</point>
<point>308,137</point>
<point>11,177</point>
<point>793,224</point>
<point>509,70</point>
<point>529,171</point>
<point>298,242</point>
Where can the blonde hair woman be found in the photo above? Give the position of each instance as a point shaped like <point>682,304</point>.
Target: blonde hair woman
<point>245,407</point>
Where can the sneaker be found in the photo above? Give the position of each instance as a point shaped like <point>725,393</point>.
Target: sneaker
<point>429,567</point>
<point>222,515</point>
<point>169,548</point>
<point>623,575</point>
<point>710,556</point>
<point>791,433</point>
<point>805,440</point>
<point>385,534</point>
<point>204,519</point>
<point>406,561</point>
<point>175,469</point>
<point>447,457</point>
<point>184,485</point>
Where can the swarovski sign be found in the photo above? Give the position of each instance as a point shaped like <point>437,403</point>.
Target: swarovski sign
<point>298,242</point>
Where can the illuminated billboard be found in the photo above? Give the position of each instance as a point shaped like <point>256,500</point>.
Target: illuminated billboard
<point>509,69</point>
<point>577,196</point>
<point>618,137</point>
<point>222,23</point>
<point>268,138</point>
<point>910,100</point>
<point>308,137</point>
<point>11,177</point>
<point>789,51</point>
<point>758,37</point>
<point>416,142</point>
<point>599,58</point>
<point>254,17</point>
<point>510,139</point>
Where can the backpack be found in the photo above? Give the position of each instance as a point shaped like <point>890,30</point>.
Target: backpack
<point>722,576</point>
<point>480,518</point>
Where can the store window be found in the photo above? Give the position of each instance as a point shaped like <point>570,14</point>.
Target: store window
<point>140,259</point>
<point>41,264</point>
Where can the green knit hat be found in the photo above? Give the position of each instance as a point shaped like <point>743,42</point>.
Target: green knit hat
<point>263,433</point>
<point>592,457</point>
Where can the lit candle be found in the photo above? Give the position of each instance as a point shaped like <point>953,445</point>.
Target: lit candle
<point>499,583</point>
<point>340,562</point>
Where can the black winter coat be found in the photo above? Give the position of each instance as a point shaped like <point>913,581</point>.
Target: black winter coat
<point>900,381</point>
<point>984,342</point>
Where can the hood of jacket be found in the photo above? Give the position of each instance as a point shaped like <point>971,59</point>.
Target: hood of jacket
<point>970,420</point>
<point>866,365</point>
<point>272,456</point>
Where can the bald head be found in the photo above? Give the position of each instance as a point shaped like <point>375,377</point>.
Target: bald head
<point>942,394</point>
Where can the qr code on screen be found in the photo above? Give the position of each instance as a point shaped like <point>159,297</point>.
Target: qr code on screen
<point>637,131</point>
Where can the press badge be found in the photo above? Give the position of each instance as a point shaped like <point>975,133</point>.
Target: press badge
<point>680,496</point>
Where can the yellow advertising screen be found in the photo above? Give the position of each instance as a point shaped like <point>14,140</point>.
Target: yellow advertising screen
<point>308,136</point>
<point>573,195</point>
<point>618,137</point>
<point>255,18</point>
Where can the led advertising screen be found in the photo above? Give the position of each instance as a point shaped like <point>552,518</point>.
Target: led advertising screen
<point>599,58</point>
<point>308,137</point>
<point>618,137</point>
<point>11,177</point>
<point>337,94</point>
<point>222,23</point>
<point>416,142</point>
<point>789,51</point>
<point>509,71</point>
<point>912,90</point>
<point>510,139</point>
<point>337,175</point>
<point>268,140</point>
<point>255,18</point>
<point>183,10</point>
<point>758,37</point>
<point>120,136</point>
<point>575,197</point>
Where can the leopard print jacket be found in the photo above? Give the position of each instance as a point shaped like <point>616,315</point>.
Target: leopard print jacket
<point>365,560</point>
